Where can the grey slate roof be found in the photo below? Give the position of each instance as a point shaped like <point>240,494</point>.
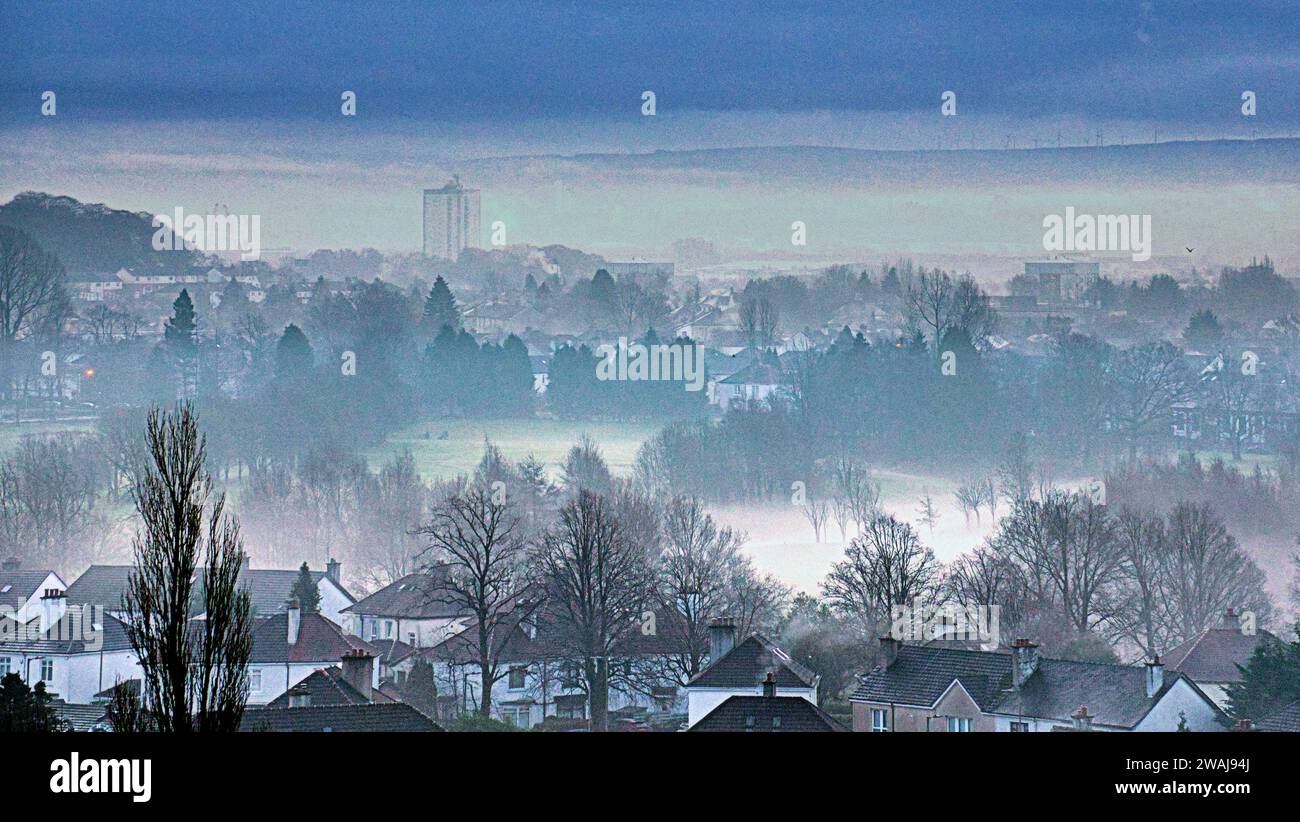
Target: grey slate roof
<point>747,665</point>
<point>81,717</point>
<point>1115,695</point>
<point>325,686</point>
<point>66,637</point>
<point>16,587</point>
<point>1213,654</point>
<point>767,714</point>
<point>1286,720</point>
<point>268,588</point>
<point>414,596</point>
<point>920,675</point>
<point>385,717</point>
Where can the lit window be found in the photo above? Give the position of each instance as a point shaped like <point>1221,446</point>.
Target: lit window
<point>958,724</point>
<point>879,720</point>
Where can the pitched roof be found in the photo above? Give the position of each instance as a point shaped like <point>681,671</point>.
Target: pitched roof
<point>921,674</point>
<point>319,640</point>
<point>748,663</point>
<point>268,588</point>
<point>1115,695</point>
<point>101,585</point>
<point>1286,720</point>
<point>392,651</point>
<point>80,717</point>
<point>386,717</point>
<point>769,714</point>
<point>1213,654</point>
<point>325,686</point>
<point>414,596</point>
<point>16,587</point>
<point>74,633</point>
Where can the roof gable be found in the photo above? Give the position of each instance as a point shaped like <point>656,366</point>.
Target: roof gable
<point>747,665</point>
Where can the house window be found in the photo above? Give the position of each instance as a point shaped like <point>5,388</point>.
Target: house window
<point>388,629</point>
<point>517,715</point>
<point>254,681</point>
<point>1020,727</point>
<point>4,665</point>
<point>517,677</point>
<point>958,724</point>
<point>879,720</point>
<point>47,670</point>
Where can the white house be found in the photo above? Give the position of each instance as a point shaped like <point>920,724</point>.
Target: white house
<point>742,669</point>
<point>78,654</point>
<point>415,609</point>
<point>21,591</point>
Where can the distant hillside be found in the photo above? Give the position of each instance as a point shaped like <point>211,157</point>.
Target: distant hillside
<point>92,238</point>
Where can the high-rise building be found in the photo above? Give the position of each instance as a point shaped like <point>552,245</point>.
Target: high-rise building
<point>450,220</point>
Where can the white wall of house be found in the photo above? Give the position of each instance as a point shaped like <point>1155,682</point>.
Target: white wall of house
<point>425,632</point>
<point>268,680</point>
<point>701,701</point>
<point>1181,699</point>
<point>31,607</point>
<point>332,600</point>
<point>76,678</point>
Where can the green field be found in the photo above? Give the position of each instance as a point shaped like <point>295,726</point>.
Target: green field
<point>548,440</point>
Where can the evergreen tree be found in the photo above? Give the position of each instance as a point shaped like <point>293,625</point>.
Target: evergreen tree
<point>440,306</point>
<point>293,354</point>
<point>180,339</point>
<point>1270,681</point>
<point>24,709</point>
<point>306,591</point>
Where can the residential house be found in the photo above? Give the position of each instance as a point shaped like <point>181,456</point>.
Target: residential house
<point>76,652</point>
<point>269,589</point>
<point>375,717</point>
<point>416,609</point>
<point>1210,658</point>
<point>742,669</point>
<point>943,689</point>
<point>1287,720</point>
<point>768,713</point>
<point>290,646</point>
<point>21,591</point>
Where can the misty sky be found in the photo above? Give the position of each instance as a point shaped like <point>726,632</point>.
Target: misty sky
<point>165,104</point>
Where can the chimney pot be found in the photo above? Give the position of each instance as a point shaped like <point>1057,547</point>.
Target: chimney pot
<point>358,670</point>
<point>769,686</point>
<point>1155,676</point>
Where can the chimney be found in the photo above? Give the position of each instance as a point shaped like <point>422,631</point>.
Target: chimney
<point>358,669</point>
<point>1024,661</point>
<point>722,638</point>
<point>1082,719</point>
<point>1155,677</point>
<point>888,651</point>
<point>295,620</point>
<point>332,570</point>
<point>11,564</point>
<point>54,604</point>
<point>1231,620</point>
<point>1243,725</point>
<point>769,686</point>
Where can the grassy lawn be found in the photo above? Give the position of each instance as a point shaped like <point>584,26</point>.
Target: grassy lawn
<point>548,440</point>
<point>10,432</point>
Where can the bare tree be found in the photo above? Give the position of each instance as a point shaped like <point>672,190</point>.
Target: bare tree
<point>816,512</point>
<point>478,555</point>
<point>597,582</point>
<point>31,285</point>
<point>1207,572</point>
<point>929,514</point>
<point>195,672</point>
<point>1144,547</point>
<point>939,304</point>
<point>759,320</point>
<point>694,571</point>
<point>48,489</point>
<point>885,566</point>
<point>1145,380</point>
